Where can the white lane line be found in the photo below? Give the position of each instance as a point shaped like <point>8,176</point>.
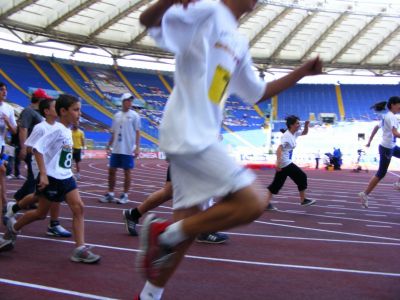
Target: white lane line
<point>350,219</point>
<point>332,231</point>
<point>380,226</point>
<point>334,213</point>
<point>327,223</point>
<point>245,262</point>
<point>288,221</point>
<point>335,205</point>
<point>374,215</point>
<point>53,289</point>
<point>394,174</point>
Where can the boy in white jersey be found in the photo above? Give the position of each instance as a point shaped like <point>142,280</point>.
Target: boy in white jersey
<point>387,147</point>
<point>212,59</point>
<point>48,111</point>
<point>285,166</point>
<point>53,153</point>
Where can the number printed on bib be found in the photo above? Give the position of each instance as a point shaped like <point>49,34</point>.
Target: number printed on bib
<point>218,85</point>
<point>65,158</point>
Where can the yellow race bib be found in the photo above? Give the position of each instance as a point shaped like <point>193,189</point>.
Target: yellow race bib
<point>218,84</point>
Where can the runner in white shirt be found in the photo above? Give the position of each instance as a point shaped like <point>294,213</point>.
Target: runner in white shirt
<point>53,154</point>
<point>7,123</point>
<point>212,61</point>
<point>123,147</point>
<point>387,148</point>
<point>284,165</point>
<point>48,111</point>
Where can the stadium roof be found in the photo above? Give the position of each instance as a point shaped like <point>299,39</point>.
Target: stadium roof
<point>346,34</point>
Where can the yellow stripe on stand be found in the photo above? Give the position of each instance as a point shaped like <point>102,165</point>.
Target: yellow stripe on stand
<point>340,101</point>
<point>165,83</point>
<point>44,75</point>
<point>13,83</point>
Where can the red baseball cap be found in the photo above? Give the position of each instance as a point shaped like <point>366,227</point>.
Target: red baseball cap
<point>40,94</point>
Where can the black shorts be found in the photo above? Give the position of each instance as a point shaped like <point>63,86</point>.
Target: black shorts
<point>57,188</point>
<point>168,175</point>
<point>76,155</point>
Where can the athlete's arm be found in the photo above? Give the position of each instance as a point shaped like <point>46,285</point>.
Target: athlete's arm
<point>373,133</point>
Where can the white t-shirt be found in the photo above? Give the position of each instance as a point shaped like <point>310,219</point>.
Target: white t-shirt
<point>8,110</point>
<point>124,127</point>
<point>389,121</point>
<point>288,142</point>
<point>56,148</point>
<point>212,61</point>
<point>40,130</point>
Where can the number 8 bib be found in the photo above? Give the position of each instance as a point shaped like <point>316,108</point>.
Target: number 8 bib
<point>65,159</point>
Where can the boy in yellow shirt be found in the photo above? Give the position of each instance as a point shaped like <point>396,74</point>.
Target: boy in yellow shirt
<point>78,138</point>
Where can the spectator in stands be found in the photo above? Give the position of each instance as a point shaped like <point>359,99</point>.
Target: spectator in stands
<point>387,148</point>
<point>7,123</point>
<point>78,137</point>
<point>124,147</point>
<point>211,59</point>
<point>284,165</point>
<point>30,117</point>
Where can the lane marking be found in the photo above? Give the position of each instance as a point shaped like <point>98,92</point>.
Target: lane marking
<point>288,221</point>
<point>381,226</point>
<point>331,231</point>
<point>334,213</point>
<point>327,223</point>
<point>374,215</point>
<point>246,262</point>
<point>53,289</point>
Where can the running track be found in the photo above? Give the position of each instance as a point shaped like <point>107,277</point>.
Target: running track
<point>332,250</point>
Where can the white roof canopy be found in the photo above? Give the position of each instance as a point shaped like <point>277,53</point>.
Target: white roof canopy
<point>346,34</point>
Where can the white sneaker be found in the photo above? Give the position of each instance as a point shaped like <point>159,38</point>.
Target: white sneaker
<point>396,185</point>
<point>107,198</point>
<point>123,199</point>
<point>9,213</point>
<point>364,199</point>
<point>11,176</point>
<point>21,177</point>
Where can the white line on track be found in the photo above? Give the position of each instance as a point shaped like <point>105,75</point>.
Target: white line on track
<point>347,218</point>
<point>334,213</point>
<point>380,226</point>
<point>245,262</point>
<point>288,221</point>
<point>332,231</point>
<point>53,289</point>
<point>374,215</point>
<point>328,223</point>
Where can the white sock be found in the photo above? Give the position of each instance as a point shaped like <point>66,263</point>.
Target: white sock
<point>151,292</point>
<point>173,235</point>
<point>111,194</point>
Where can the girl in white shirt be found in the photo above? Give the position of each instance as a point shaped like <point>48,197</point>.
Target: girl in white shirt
<point>387,147</point>
<point>284,165</point>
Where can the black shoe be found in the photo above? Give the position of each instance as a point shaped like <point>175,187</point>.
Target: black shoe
<point>212,238</point>
<point>307,202</point>
<point>271,207</point>
<point>130,223</point>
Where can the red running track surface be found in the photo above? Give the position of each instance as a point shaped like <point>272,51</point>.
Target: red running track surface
<point>332,250</point>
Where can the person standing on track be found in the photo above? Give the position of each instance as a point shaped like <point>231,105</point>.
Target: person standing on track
<point>387,148</point>
<point>124,147</point>
<point>212,61</point>
<point>284,165</point>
